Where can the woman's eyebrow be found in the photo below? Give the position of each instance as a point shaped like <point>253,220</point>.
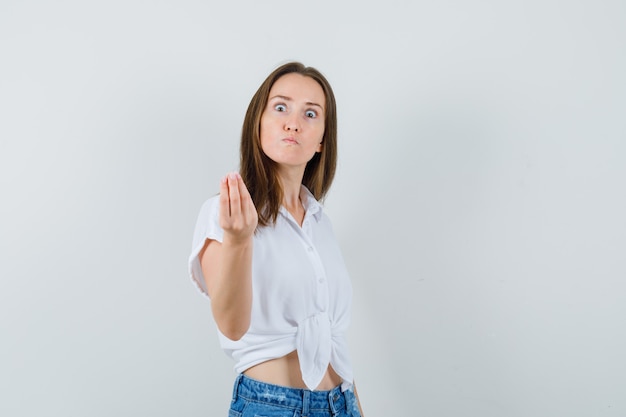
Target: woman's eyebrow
<point>308,103</point>
<point>281,97</point>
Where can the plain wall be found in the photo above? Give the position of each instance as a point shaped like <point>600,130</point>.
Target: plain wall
<point>479,200</point>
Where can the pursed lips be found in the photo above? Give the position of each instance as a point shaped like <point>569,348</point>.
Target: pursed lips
<point>291,141</point>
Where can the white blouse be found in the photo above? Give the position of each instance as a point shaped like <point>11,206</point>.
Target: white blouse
<point>301,290</point>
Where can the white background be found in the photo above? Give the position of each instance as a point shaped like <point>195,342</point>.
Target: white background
<point>479,201</point>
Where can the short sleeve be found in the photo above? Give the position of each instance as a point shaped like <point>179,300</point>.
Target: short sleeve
<point>207,227</point>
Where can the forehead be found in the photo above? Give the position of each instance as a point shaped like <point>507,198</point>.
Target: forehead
<point>298,87</point>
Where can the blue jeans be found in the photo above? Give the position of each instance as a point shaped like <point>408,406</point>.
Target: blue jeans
<point>252,398</point>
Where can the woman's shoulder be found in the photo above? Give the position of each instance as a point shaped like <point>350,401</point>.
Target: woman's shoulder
<point>211,204</point>
<point>208,216</point>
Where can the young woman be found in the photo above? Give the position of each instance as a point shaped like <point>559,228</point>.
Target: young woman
<point>265,254</point>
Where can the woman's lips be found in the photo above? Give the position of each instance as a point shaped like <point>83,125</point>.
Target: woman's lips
<point>290,141</point>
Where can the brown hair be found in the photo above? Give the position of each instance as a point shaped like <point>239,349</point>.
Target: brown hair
<point>259,172</point>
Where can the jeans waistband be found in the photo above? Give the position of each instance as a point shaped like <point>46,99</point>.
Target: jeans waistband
<point>295,398</point>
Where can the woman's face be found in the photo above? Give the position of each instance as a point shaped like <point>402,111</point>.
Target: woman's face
<point>292,124</point>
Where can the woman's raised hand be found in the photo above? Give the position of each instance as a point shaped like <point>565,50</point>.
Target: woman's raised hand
<point>238,216</point>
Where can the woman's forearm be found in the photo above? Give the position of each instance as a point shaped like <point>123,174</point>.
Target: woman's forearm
<point>231,288</point>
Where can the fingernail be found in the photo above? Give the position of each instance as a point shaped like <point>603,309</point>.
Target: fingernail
<point>232,176</point>
<point>238,175</point>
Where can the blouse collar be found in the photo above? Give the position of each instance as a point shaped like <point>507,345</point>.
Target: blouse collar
<point>312,207</point>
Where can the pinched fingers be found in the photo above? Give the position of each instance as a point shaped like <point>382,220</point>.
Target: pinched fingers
<point>238,216</point>
<point>224,199</point>
<point>230,206</point>
<point>233,195</point>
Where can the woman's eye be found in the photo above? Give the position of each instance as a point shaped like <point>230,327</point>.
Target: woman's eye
<point>280,107</point>
<point>311,114</point>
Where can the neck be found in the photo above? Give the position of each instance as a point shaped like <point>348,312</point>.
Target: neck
<point>291,194</point>
<point>290,182</point>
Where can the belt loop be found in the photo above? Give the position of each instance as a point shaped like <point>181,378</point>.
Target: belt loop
<point>236,386</point>
<point>305,402</point>
<point>332,400</point>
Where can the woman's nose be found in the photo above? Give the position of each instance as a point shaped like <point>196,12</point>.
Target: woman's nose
<point>292,125</point>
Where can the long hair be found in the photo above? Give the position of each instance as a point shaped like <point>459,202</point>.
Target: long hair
<point>260,173</point>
